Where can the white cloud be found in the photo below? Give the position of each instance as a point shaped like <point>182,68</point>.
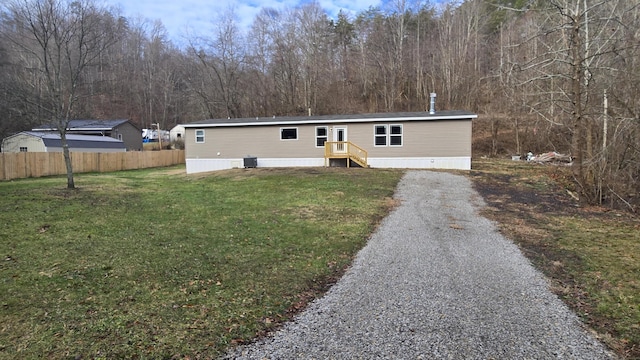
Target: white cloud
<point>198,17</point>
<point>333,7</point>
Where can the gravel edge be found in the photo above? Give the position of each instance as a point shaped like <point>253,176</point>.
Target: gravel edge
<point>435,281</point>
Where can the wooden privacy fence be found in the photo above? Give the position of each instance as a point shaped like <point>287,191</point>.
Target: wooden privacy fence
<point>38,164</point>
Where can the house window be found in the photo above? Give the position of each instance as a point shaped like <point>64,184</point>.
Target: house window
<point>199,136</point>
<point>380,135</point>
<point>387,135</point>
<point>395,135</point>
<point>321,135</point>
<point>288,133</point>
<point>120,137</point>
<point>23,149</point>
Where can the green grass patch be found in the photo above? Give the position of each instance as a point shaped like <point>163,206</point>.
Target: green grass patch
<point>606,265</point>
<point>157,264</point>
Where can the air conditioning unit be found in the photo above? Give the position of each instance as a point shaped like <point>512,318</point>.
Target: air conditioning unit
<point>250,162</point>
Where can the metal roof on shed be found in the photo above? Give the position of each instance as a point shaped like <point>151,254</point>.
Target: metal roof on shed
<point>78,125</point>
<point>78,141</point>
<point>330,119</point>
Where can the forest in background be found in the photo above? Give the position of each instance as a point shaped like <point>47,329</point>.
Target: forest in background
<point>553,75</point>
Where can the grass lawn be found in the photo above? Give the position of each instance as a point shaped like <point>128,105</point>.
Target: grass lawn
<point>158,264</point>
<point>591,254</point>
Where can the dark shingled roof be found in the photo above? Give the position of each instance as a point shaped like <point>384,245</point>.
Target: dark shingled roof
<point>325,119</point>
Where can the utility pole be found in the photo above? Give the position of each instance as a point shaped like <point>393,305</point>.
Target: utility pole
<point>159,134</point>
<point>604,125</point>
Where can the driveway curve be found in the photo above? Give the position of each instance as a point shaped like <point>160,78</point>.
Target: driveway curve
<point>435,281</point>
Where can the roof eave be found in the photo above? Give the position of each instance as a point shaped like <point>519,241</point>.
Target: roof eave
<point>331,121</point>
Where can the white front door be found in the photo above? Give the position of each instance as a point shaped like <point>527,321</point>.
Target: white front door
<point>340,136</point>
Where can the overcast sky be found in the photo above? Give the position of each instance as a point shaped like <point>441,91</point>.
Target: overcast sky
<point>182,17</point>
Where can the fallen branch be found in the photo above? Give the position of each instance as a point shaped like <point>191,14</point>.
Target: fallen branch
<point>573,195</point>
<point>623,200</point>
<point>551,157</point>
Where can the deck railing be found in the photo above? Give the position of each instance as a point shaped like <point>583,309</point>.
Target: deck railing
<point>345,150</point>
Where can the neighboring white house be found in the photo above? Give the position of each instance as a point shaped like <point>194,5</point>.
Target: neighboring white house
<point>177,133</point>
<point>33,141</point>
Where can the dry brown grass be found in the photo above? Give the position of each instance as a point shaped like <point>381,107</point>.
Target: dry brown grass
<point>591,254</point>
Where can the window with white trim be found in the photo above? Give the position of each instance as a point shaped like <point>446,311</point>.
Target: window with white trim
<point>288,133</point>
<point>395,135</point>
<point>199,136</point>
<point>322,133</point>
<point>380,135</point>
<point>387,135</point>
<point>23,149</point>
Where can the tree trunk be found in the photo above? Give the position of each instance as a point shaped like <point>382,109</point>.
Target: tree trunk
<point>67,160</point>
<point>577,141</point>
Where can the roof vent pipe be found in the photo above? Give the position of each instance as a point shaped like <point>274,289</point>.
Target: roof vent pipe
<point>432,104</point>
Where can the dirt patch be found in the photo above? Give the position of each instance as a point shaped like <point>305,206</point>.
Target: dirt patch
<point>522,194</point>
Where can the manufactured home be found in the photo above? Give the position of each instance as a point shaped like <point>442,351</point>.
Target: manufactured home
<point>33,141</point>
<point>425,140</point>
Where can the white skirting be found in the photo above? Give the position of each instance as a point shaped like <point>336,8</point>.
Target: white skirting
<point>205,165</point>
<point>457,163</point>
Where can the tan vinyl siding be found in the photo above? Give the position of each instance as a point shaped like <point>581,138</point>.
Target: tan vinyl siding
<point>14,143</point>
<point>260,141</point>
<point>442,138</point>
<point>419,138</point>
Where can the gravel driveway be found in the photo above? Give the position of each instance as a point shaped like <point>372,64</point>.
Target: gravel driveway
<point>436,281</point>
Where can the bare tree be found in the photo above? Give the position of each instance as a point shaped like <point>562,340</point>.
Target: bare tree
<point>222,59</point>
<point>566,60</point>
<point>314,42</point>
<point>366,33</point>
<point>60,39</point>
<point>458,44</point>
<point>259,61</point>
<point>422,50</point>
<point>18,113</point>
<point>343,40</point>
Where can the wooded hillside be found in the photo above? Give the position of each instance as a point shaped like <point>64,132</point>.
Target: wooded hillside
<point>553,75</point>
